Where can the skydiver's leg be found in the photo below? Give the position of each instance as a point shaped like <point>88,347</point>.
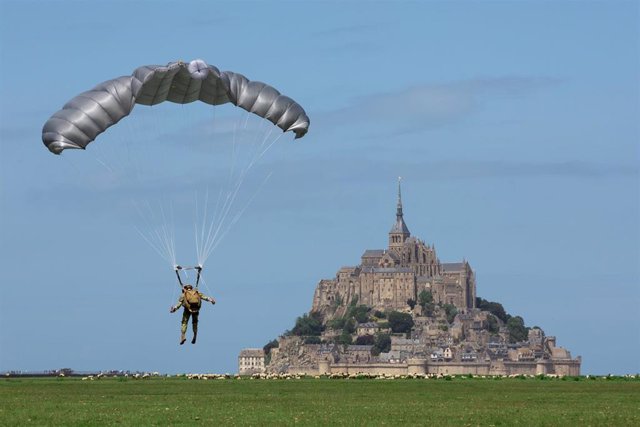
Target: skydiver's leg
<point>183,326</point>
<point>194,324</point>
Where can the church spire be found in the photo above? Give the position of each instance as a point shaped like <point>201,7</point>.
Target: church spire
<point>399,232</point>
<point>399,207</point>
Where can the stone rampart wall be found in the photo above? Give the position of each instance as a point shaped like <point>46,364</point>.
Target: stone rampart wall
<point>308,370</point>
<point>370,368</point>
<point>458,368</point>
<point>570,367</point>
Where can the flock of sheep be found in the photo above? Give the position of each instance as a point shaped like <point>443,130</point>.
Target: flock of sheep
<point>352,376</point>
<point>134,376</point>
<point>364,375</point>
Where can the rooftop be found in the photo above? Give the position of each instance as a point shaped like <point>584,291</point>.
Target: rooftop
<point>252,352</point>
<point>373,253</point>
<point>453,266</point>
<point>387,270</point>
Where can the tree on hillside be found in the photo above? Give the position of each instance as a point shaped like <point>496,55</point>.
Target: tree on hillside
<point>360,313</point>
<point>492,322</point>
<point>365,340</point>
<point>336,323</point>
<point>382,344</point>
<point>313,340</point>
<point>344,338</point>
<point>268,346</point>
<point>379,314</point>
<point>517,331</point>
<point>411,303</point>
<point>384,325</point>
<point>349,326</point>
<point>267,350</point>
<point>425,299</point>
<point>400,322</point>
<point>492,307</point>
<point>308,324</point>
<point>451,312</point>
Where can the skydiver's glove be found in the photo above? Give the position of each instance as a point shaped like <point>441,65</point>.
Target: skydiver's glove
<point>172,309</point>
<point>213,302</point>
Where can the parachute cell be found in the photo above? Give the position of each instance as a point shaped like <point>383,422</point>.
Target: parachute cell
<point>90,113</point>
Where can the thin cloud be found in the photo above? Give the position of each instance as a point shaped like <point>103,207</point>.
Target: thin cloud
<point>350,173</point>
<point>501,169</point>
<point>419,107</point>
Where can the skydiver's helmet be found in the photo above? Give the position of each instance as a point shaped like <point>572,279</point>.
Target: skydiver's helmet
<point>187,287</point>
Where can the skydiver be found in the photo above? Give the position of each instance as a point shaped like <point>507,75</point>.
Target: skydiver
<point>191,300</point>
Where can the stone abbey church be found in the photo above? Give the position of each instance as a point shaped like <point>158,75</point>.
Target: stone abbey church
<point>387,278</point>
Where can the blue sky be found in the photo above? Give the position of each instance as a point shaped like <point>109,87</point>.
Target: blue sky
<point>513,124</point>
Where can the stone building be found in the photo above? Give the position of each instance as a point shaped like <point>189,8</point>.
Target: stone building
<point>251,361</point>
<point>386,278</point>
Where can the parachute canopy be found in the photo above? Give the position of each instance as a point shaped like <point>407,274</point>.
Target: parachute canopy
<point>90,113</point>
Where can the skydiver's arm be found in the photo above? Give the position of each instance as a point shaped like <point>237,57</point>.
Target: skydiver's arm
<point>178,304</point>
<point>206,298</point>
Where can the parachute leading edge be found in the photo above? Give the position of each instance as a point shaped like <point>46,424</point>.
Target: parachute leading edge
<point>86,116</point>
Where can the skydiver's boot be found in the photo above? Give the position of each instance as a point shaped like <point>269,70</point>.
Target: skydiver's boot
<point>183,338</point>
<point>195,333</point>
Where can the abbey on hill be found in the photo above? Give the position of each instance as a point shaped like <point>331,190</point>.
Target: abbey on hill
<point>387,278</point>
<point>403,311</point>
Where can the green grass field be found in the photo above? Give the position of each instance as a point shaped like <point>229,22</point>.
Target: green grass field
<point>179,401</point>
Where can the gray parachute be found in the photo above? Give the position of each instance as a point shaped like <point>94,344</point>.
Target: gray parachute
<point>89,114</point>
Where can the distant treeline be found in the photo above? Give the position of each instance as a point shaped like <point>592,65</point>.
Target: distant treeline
<point>63,372</point>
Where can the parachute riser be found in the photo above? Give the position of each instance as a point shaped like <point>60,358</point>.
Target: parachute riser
<point>198,268</point>
<point>179,279</point>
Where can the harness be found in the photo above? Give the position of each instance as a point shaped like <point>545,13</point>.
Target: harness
<point>179,268</point>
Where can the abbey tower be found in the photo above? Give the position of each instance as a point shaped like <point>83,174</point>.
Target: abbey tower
<point>399,232</point>
<point>387,278</point>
